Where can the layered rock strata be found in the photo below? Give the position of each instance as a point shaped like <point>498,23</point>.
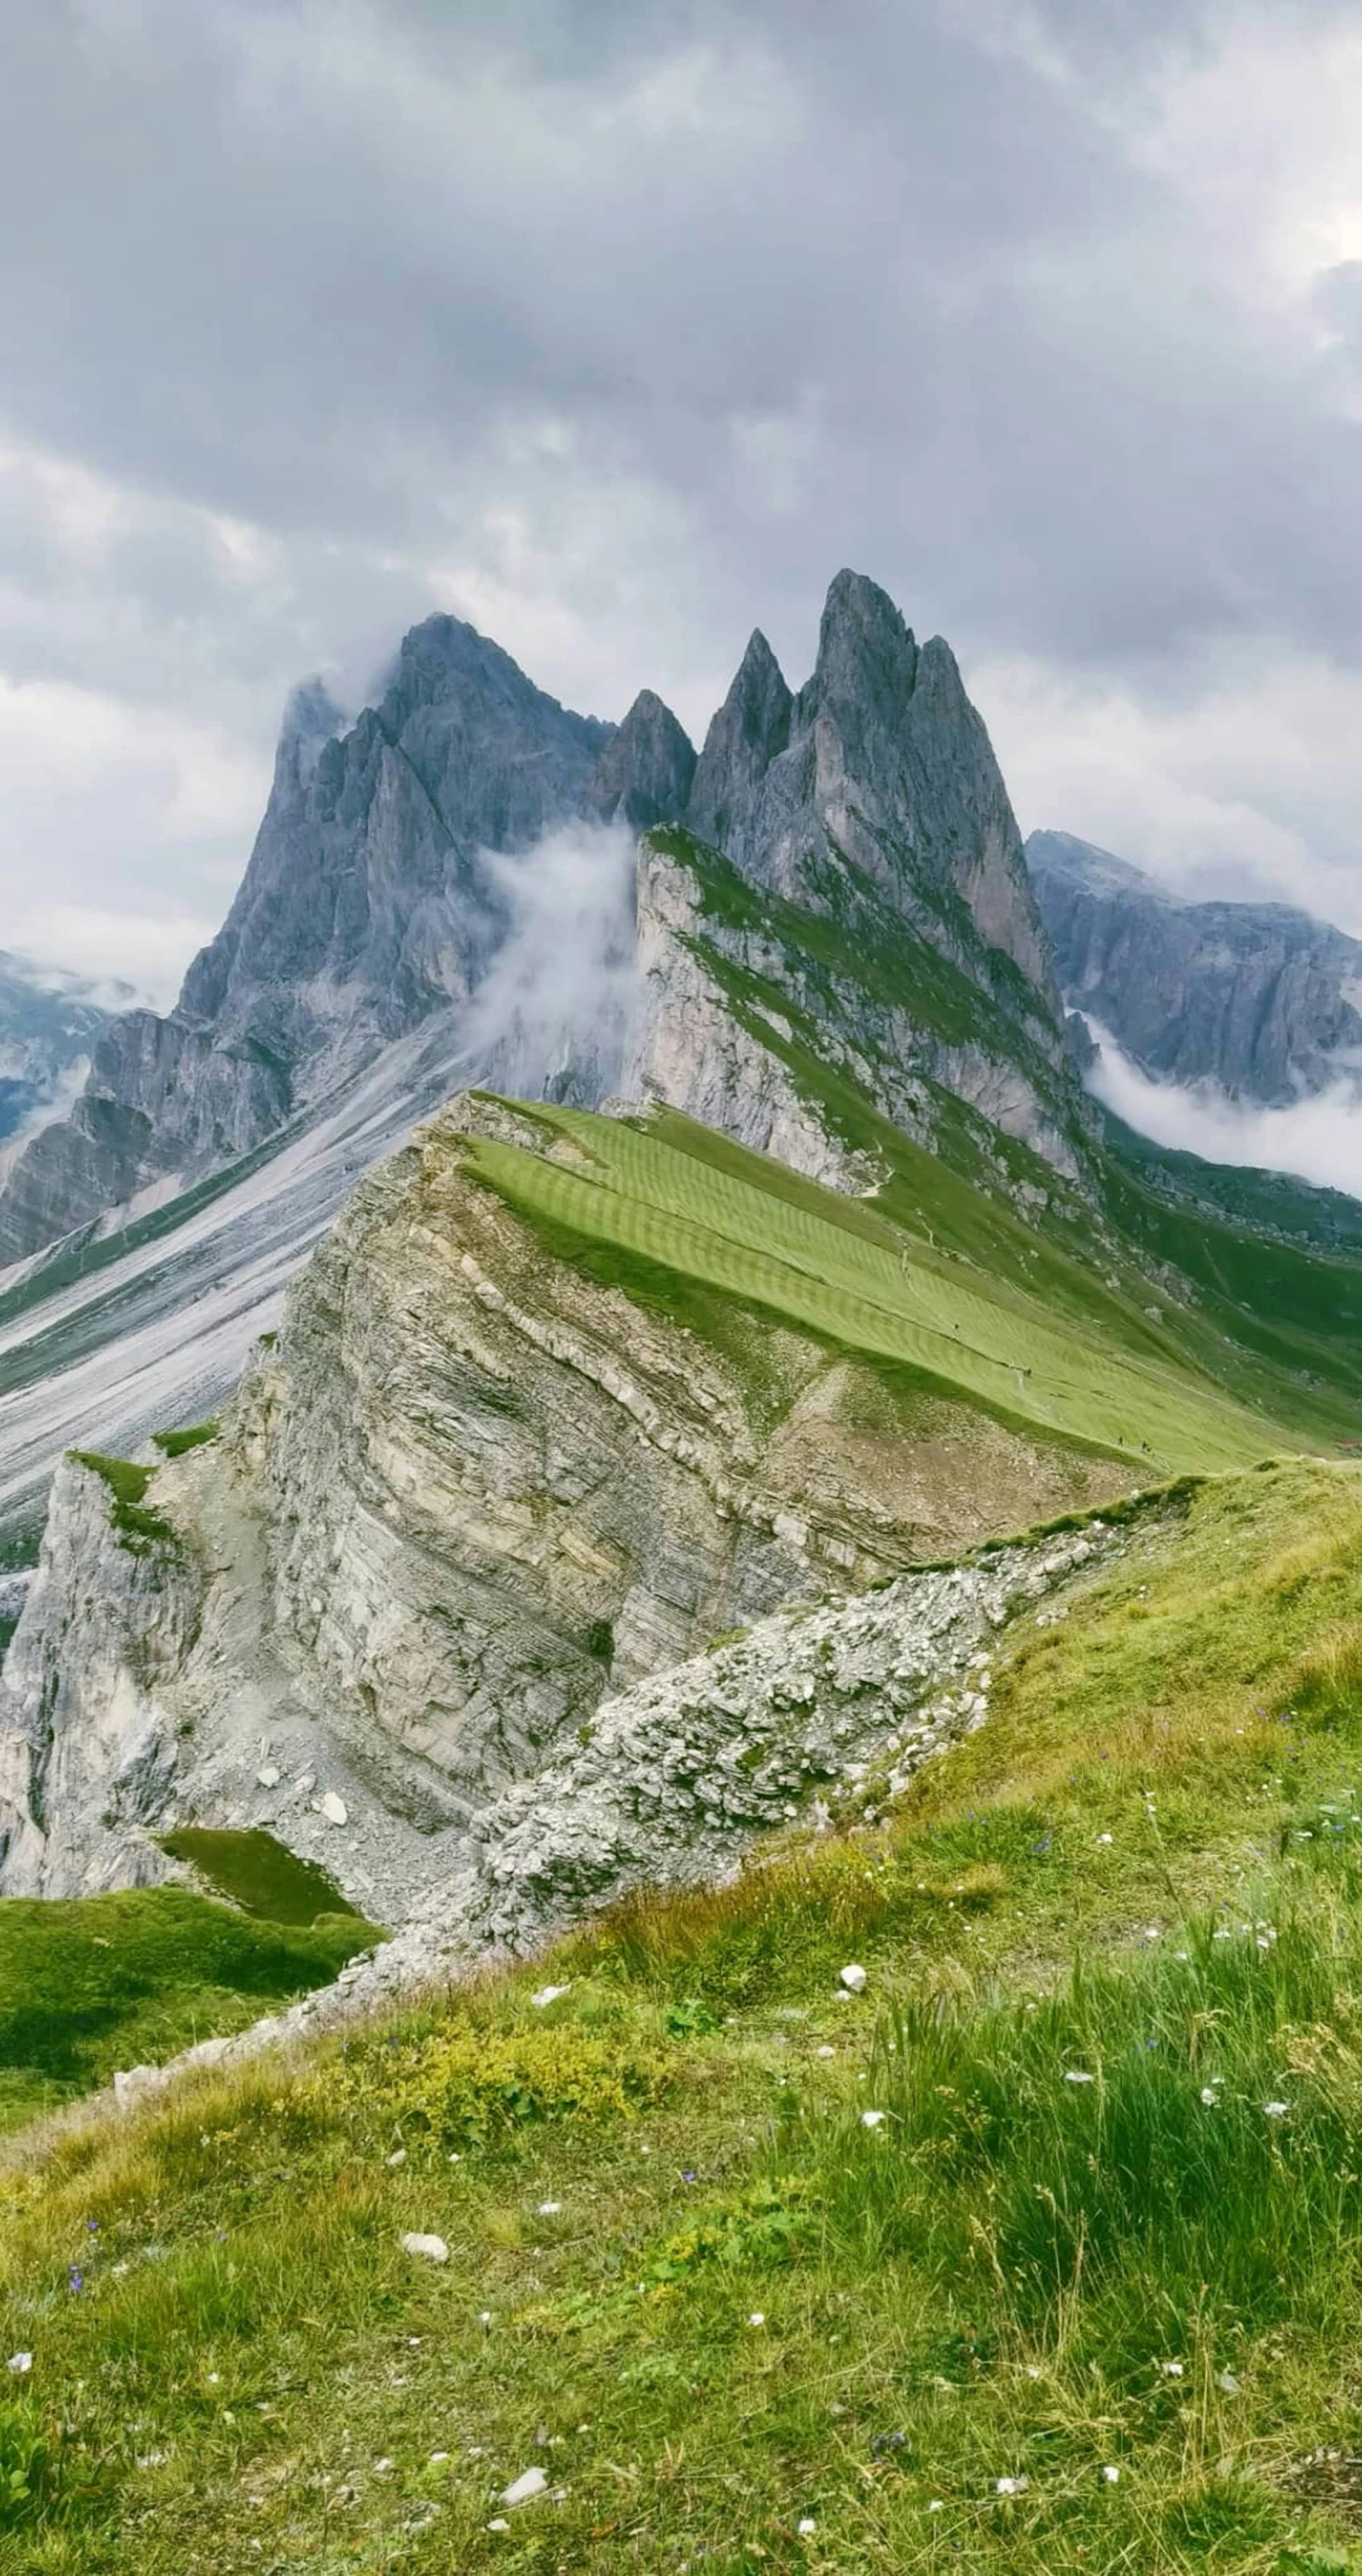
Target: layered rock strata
<point>474,1490</point>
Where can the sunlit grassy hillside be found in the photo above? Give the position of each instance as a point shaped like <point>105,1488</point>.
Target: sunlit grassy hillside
<point>1042,2255</point>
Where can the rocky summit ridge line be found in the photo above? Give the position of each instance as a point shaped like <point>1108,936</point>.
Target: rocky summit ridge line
<point>372,900</point>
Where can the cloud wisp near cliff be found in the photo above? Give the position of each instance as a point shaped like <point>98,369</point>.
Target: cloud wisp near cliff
<point>1317,1139</point>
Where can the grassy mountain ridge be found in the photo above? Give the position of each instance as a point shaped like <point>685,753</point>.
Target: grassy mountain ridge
<point>1029,1335</point>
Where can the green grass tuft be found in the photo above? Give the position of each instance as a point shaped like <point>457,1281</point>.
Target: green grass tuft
<point>137,1529</point>
<point>173,1444</point>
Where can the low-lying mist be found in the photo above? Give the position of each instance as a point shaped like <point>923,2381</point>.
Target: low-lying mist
<point>1317,1139</point>
<point>549,1018</point>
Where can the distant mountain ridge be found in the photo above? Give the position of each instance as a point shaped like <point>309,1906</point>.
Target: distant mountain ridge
<point>49,1024</point>
<point>369,904</point>
<point>1262,999</point>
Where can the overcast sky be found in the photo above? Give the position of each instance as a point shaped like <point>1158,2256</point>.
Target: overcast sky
<point>617,328</point>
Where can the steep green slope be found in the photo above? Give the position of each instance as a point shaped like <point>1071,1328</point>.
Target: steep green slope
<point>762,2274</point>
<point>1258,1280</point>
<point>666,1208</point>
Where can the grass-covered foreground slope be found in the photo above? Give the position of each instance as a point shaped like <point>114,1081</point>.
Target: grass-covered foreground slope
<point>89,1984</point>
<point>1043,2255</point>
<point>946,1287</point>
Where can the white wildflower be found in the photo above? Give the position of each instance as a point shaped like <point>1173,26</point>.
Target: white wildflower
<point>1076,2075</point>
<point>1012,2486</point>
<point>807,2527</point>
<point>1111,2476</point>
<point>873,2119</point>
<point>1275,2110</point>
<point>854,1979</point>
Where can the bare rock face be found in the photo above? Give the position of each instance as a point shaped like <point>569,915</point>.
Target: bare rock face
<point>1261,999</point>
<point>738,1003</point>
<point>473,1491</point>
<point>880,765</point>
<point>688,1047</point>
<point>87,1750</point>
<point>644,774</point>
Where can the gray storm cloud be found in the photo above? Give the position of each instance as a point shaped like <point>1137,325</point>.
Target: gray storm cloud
<point>617,329</point>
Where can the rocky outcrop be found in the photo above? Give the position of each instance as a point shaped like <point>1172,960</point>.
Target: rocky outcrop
<point>776,1024</point>
<point>810,1715</point>
<point>675,1778</point>
<point>473,1491</point>
<point>1259,998</point>
<point>87,1751</point>
<point>689,1047</point>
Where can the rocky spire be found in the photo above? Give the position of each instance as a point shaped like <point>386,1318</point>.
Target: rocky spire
<point>751,729</point>
<point>644,774</point>
<point>881,762</point>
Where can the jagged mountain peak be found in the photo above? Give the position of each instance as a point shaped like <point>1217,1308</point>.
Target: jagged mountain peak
<point>748,732</point>
<point>445,658</point>
<point>369,902</point>
<point>862,637</point>
<point>645,772</point>
<point>881,768</point>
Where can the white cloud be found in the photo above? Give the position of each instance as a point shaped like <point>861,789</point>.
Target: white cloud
<point>559,990</point>
<point>1241,779</point>
<point>1318,1140</point>
<point>123,955</point>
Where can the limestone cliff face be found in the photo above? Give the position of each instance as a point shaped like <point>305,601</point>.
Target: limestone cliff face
<point>1261,999</point>
<point>688,1047</point>
<point>472,1490</point>
<point>738,1007</point>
